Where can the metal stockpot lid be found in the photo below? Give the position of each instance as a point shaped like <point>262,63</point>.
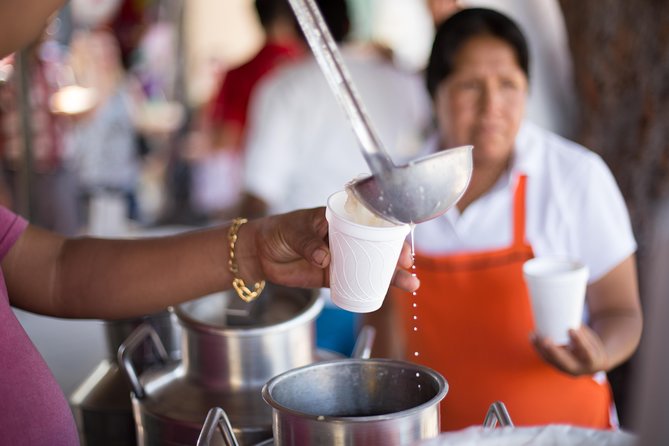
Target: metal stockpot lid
<point>225,313</point>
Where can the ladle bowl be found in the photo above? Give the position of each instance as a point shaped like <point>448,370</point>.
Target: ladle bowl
<point>419,190</point>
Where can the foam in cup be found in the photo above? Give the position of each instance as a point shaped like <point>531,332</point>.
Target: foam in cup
<point>358,213</point>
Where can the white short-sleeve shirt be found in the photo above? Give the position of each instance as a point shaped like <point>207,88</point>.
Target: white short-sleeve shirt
<point>300,146</point>
<point>573,208</point>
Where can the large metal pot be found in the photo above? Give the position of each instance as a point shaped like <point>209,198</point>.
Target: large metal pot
<point>227,357</point>
<point>355,402</point>
<point>217,420</point>
<point>101,403</point>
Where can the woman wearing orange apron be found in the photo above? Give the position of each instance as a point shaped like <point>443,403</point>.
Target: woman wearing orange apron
<point>482,346</point>
<point>532,193</point>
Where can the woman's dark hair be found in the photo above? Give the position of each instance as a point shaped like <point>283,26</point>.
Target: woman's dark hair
<point>336,16</point>
<point>454,32</point>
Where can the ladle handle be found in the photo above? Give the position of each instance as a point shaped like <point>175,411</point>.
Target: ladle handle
<point>128,347</point>
<point>364,343</point>
<point>329,59</point>
<point>216,417</point>
<point>497,413</point>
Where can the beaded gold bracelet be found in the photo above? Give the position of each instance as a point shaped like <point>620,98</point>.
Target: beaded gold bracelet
<point>246,294</point>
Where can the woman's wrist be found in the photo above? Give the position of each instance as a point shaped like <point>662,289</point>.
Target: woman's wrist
<point>246,253</point>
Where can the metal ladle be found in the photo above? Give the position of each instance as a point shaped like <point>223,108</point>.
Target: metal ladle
<point>413,193</point>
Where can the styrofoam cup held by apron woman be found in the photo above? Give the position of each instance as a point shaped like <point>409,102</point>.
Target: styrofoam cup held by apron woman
<point>557,292</point>
<point>364,250</point>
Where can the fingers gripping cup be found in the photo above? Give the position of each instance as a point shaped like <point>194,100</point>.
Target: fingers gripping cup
<point>364,251</point>
<point>557,293</point>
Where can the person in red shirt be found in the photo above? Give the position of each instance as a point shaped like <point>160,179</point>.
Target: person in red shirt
<point>282,44</point>
<point>217,148</point>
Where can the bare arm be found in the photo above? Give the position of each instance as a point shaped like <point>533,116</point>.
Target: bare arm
<point>615,312</point>
<point>87,277</point>
<point>95,278</point>
<point>615,326</point>
<point>21,22</point>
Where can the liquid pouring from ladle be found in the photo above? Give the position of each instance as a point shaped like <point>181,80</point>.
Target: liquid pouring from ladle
<point>415,192</point>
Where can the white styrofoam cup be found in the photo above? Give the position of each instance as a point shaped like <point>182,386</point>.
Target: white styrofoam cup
<point>557,293</point>
<point>363,258</point>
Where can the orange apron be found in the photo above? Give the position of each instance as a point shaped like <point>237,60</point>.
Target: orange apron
<point>473,326</point>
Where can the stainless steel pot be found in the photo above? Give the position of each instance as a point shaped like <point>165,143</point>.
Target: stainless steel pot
<point>217,419</point>
<point>355,402</point>
<point>101,403</point>
<point>228,354</point>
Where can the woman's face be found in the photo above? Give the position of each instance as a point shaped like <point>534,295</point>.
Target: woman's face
<point>482,102</point>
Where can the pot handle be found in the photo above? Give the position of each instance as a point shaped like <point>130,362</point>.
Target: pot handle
<point>497,413</point>
<point>217,418</point>
<point>128,347</point>
<point>364,343</point>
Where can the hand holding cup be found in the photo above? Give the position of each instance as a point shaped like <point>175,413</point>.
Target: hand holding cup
<point>585,354</point>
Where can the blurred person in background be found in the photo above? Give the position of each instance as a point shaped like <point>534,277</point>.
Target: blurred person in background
<point>105,140</point>
<point>532,193</point>
<point>218,165</point>
<point>52,186</point>
<point>300,147</point>
<point>151,54</point>
<point>282,44</point>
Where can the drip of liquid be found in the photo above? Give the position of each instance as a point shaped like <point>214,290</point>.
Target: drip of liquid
<point>414,305</point>
<point>413,246</point>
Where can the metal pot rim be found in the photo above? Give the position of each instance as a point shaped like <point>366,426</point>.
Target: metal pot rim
<point>440,380</point>
<point>310,312</point>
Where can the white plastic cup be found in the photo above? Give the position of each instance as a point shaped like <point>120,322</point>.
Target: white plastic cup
<point>363,258</point>
<point>557,294</point>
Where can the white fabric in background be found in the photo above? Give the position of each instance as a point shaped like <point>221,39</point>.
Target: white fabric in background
<point>550,435</point>
<point>105,146</point>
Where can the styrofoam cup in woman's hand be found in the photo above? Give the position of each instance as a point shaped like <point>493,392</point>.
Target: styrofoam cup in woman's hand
<point>557,293</point>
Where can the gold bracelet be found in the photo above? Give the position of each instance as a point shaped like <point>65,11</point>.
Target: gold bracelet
<point>238,284</point>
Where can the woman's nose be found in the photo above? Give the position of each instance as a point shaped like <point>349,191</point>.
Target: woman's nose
<point>490,99</point>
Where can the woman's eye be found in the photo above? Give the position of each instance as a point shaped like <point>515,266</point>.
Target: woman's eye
<point>509,84</point>
<point>468,85</point>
